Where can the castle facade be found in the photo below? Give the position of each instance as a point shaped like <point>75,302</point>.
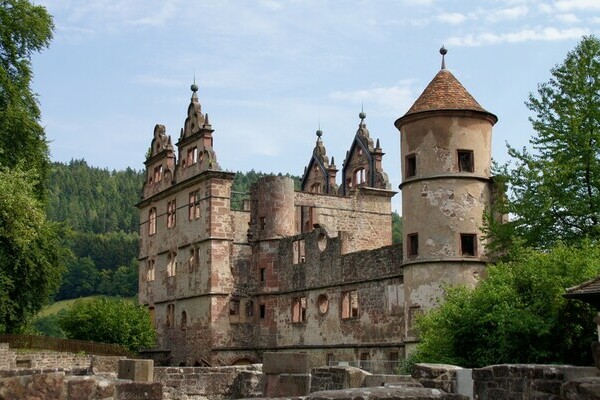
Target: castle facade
<point>314,269</point>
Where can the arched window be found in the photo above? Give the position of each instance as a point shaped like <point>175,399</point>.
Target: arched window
<point>150,271</point>
<point>152,221</point>
<point>172,264</point>
<point>183,320</point>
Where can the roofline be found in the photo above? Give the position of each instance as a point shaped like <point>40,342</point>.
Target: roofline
<point>450,112</point>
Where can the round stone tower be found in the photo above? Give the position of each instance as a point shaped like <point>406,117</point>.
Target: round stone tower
<point>446,188</point>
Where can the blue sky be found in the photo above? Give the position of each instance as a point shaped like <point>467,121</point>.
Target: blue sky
<point>271,71</point>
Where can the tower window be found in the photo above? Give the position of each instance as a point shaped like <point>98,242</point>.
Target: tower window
<point>192,156</point>
<point>465,161</point>
<point>183,320</point>
<point>170,315</point>
<point>262,311</point>
<point>234,307</point>
<point>468,244</point>
<point>158,173</point>
<point>263,275</point>
<point>359,176</point>
<point>411,165</point>
<point>152,222</point>
<point>172,265</point>
<point>150,271</point>
<point>316,188</point>
<point>413,244</point>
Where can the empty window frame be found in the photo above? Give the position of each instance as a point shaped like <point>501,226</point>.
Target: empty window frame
<point>152,221</point>
<point>172,265</point>
<point>194,259</point>
<point>316,188</point>
<point>349,304</point>
<point>262,311</point>
<point>410,163</point>
<point>359,176</point>
<point>194,205</point>
<point>413,245</point>
<point>150,273</point>
<point>298,309</point>
<point>262,275</point>
<point>468,244</point>
<point>170,315</point>
<point>183,325</point>
<point>299,255</point>
<point>234,307</point>
<point>158,173</point>
<point>171,214</point>
<point>192,156</point>
<point>465,161</point>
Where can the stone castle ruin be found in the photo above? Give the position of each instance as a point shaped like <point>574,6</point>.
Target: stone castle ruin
<point>313,270</point>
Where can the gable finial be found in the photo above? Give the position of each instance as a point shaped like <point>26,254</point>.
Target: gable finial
<point>194,87</point>
<point>362,115</point>
<point>443,52</point>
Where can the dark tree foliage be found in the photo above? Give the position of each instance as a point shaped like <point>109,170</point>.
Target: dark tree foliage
<point>94,200</point>
<point>396,228</point>
<point>24,30</point>
<point>109,320</point>
<point>555,190</point>
<point>517,314</point>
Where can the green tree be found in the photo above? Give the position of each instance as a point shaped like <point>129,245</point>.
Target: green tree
<point>31,250</point>
<point>396,228</point>
<point>24,29</point>
<point>109,320</point>
<point>517,314</point>
<point>555,189</point>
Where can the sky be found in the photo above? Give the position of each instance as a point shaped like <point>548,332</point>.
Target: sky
<point>271,72</point>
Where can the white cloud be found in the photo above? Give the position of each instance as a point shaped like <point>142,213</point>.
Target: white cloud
<point>525,35</point>
<point>452,18</point>
<point>507,13</point>
<point>567,18</point>
<point>421,2</point>
<point>582,5</point>
<point>392,98</point>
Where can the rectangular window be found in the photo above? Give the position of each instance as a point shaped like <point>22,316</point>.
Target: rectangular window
<point>330,360</point>
<point>263,223</point>
<point>468,244</point>
<point>411,165</point>
<point>194,205</point>
<point>413,245</point>
<point>172,265</point>
<point>234,307</point>
<point>171,214</point>
<point>299,309</point>
<point>299,255</point>
<point>194,259</point>
<point>152,221</point>
<point>192,156</point>
<point>465,161</point>
<point>170,315</point>
<point>350,304</point>
<point>158,173</point>
<point>262,311</point>
<point>263,275</point>
<point>150,270</point>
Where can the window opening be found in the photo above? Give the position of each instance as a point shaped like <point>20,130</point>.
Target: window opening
<point>350,304</point>
<point>150,270</point>
<point>183,320</point>
<point>194,205</point>
<point>298,252</point>
<point>194,259</point>
<point>152,221</point>
<point>263,273</point>
<point>262,311</point>
<point>411,165</point>
<point>468,244</point>
<point>171,214</point>
<point>299,309</point>
<point>234,307</point>
<point>170,315</point>
<point>192,156</point>
<point>249,309</point>
<point>316,188</point>
<point>172,265</point>
<point>359,176</point>
<point>413,244</point>
<point>465,161</point>
<point>158,173</point>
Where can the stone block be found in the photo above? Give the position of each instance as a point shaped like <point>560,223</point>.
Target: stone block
<point>136,370</point>
<point>388,392</point>
<point>105,364</point>
<point>464,382</point>
<point>570,373</point>
<point>286,385</point>
<point>382,380</point>
<point>81,389</point>
<point>138,391</point>
<point>285,363</point>
<point>434,371</point>
<point>581,389</point>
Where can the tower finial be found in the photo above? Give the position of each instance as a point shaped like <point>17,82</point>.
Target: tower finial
<point>194,87</point>
<point>362,115</point>
<point>443,52</point>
